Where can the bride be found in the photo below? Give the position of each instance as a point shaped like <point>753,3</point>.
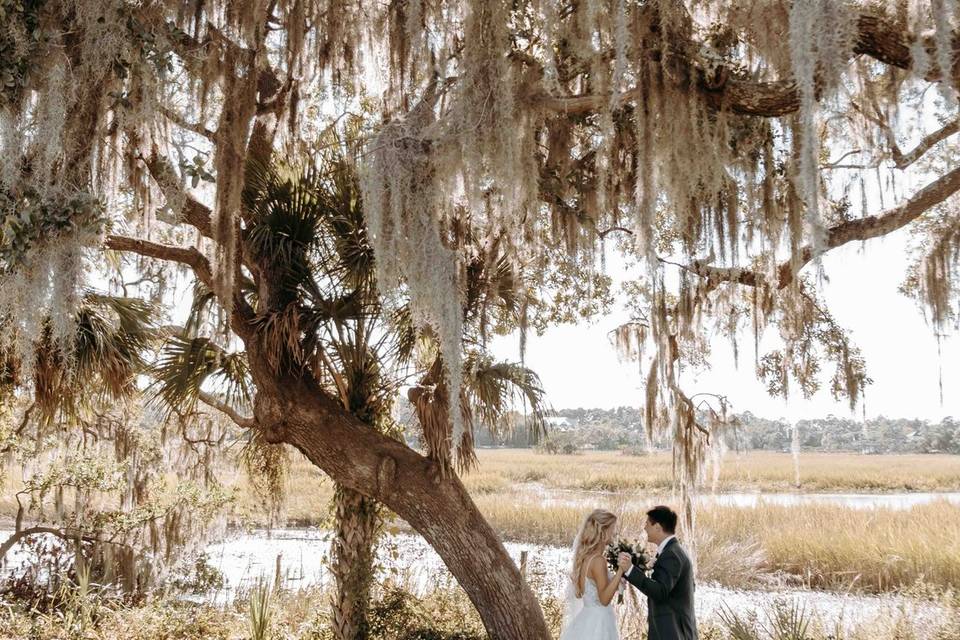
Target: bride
<point>588,614</point>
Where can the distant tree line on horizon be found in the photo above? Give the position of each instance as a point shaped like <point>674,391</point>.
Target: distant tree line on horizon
<point>622,428</point>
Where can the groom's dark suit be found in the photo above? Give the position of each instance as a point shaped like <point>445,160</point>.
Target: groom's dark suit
<point>669,592</point>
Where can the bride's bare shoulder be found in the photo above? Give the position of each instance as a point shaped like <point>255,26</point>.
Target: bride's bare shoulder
<point>596,564</point>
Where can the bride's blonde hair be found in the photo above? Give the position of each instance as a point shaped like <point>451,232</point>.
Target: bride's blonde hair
<point>591,541</point>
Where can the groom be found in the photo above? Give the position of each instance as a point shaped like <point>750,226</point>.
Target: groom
<point>669,589</point>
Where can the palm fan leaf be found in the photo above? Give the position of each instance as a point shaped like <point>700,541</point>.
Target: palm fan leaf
<point>112,336</point>
<point>345,224</point>
<point>285,214</point>
<point>406,333</point>
<point>490,389</point>
<point>204,304</point>
<point>185,364</point>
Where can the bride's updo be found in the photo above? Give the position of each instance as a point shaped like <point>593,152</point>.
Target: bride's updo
<point>592,540</point>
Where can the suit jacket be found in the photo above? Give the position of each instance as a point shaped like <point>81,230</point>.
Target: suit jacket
<point>669,592</point>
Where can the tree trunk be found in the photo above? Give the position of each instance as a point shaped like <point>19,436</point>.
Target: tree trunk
<point>299,413</point>
<point>357,520</point>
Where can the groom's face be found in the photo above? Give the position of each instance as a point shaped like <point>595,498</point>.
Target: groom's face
<point>654,531</point>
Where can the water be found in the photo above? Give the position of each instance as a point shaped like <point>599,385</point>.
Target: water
<point>298,558</point>
<point>245,557</point>
<point>591,499</point>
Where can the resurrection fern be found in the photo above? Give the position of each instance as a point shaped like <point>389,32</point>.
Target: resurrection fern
<point>27,223</point>
<point>18,43</point>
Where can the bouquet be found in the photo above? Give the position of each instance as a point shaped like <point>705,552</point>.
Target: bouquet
<point>638,556</point>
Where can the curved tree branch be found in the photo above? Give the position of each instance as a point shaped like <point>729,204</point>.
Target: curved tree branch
<point>241,312</point>
<point>849,231</point>
<point>192,211</point>
<point>186,256</point>
<point>240,420</point>
<point>904,160</point>
<point>183,123</point>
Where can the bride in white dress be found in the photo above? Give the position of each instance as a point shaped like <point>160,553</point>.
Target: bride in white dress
<point>588,614</point>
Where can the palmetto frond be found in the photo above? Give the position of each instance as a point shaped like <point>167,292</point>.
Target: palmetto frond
<point>406,333</point>
<point>491,389</point>
<point>492,284</point>
<point>185,364</point>
<point>496,290</point>
<point>307,223</point>
<point>345,224</point>
<point>112,336</point>
<point>204,306</point>
<point>285,216</point>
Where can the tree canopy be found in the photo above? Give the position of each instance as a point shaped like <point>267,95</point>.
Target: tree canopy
<point>724,146</point>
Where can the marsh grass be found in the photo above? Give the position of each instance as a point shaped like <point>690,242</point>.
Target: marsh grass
<point>505,473</point>
<point>510,473</point>
<point>818,546</point>
<point>445,613</point>
<point>752,471</point>
<point>260,610</point>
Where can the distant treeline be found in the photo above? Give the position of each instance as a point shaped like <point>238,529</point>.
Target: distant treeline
<point>622,428</point>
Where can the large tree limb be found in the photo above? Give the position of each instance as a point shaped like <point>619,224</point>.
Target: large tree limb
<point>183,123</point>
<point>878,37</point>
<point>192,211</point>
<point>838,235</point>
<point>241,312</point>
<point>186,256</point>
<point>904,160</point>
<point>297,412</point>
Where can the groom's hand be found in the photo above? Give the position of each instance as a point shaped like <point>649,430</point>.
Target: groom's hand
<point>624,561</point>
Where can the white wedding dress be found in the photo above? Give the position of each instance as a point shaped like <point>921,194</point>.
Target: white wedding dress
<point>586,618</point>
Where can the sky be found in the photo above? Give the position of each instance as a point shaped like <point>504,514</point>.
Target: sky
<point>578,365</point>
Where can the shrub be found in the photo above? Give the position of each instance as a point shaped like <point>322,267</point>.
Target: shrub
<point>558,443</point>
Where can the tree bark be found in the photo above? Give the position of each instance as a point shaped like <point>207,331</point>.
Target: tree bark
<point>356,524</point>
<point>297,412</point>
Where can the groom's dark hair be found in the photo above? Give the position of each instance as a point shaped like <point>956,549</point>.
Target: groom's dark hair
<point>665,517</point>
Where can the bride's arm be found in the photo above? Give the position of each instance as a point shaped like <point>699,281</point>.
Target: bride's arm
<point>606,588</point>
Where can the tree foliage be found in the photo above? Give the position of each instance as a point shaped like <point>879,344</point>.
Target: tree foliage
<point>723,146</point>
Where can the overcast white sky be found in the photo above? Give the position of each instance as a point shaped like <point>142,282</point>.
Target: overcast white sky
<point>579,367</point>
